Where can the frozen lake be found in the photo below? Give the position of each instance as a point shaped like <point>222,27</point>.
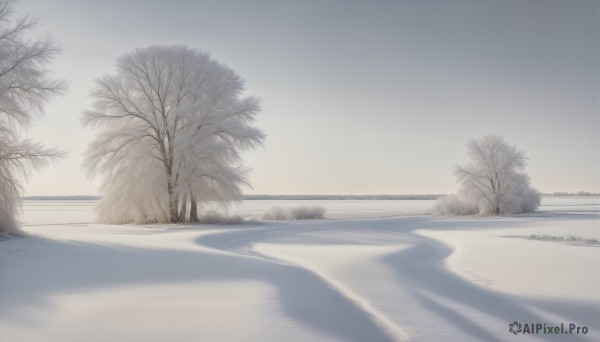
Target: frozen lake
<point>36,212</point>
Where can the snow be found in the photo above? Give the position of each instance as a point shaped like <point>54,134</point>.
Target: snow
<point>417,278</point>
<point>525,266</point>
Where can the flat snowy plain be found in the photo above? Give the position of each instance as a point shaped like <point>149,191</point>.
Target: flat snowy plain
<point>373,271</point>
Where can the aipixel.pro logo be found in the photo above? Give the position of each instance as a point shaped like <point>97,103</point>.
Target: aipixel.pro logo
<point>546,329</point>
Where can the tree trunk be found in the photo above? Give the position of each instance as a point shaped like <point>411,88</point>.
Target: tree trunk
<point>193,209</point>
<point>172,203</point>
<point>183,210</point>
<point>173,215</point>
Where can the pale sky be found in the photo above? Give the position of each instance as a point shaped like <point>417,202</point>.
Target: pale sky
<point>359,97</point>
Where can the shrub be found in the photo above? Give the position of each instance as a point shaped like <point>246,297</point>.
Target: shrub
<point>295,213</point>
<point>215,217</point>
<point>453,205</point>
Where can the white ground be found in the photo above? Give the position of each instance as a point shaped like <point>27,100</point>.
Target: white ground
<point>406,278</point>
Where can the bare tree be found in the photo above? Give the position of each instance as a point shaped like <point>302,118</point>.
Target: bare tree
<point>174,124</point>
<point>493,183</point>
<point>24,89</point>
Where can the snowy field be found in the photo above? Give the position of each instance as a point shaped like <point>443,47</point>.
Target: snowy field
<point>372,271</point>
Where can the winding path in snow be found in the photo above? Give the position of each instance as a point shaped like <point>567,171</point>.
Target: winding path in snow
<point>386,270</point>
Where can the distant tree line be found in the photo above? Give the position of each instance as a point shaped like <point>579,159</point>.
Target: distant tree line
<point>579,193</point>
<point>313,197</point>
<point>342,197</point>
<point>61,198</point>
<point>271,197</point>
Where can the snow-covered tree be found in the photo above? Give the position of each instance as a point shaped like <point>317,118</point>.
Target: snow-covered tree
<point>173,126</point>
<point>494,183</point>
<point>24,88</point>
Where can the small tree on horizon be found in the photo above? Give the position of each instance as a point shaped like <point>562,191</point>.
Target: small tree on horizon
<point>493,183</point>
<point>24,89</point>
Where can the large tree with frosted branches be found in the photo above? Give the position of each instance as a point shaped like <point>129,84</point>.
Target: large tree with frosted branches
<point>24,89</point>
<point>173,124</point>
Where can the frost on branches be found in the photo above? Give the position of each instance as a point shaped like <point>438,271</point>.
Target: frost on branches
<point>24,88</point>
<point>494,183</point>
<point>173,124</point>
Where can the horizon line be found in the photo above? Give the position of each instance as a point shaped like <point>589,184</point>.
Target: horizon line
<point>315,196</point>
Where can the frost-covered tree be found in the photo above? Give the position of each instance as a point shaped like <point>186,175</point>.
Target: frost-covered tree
<point>173,124</point>
<point>24,88</point>
<point>493,183</point>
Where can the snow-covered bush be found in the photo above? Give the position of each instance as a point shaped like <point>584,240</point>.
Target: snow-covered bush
<point>216,217</point>
<point>9,200</point>
<point>276,214</point>
<point>307,213</point>
<point>494,183</point>
<point>453,205</point>
<point>295,213</point>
